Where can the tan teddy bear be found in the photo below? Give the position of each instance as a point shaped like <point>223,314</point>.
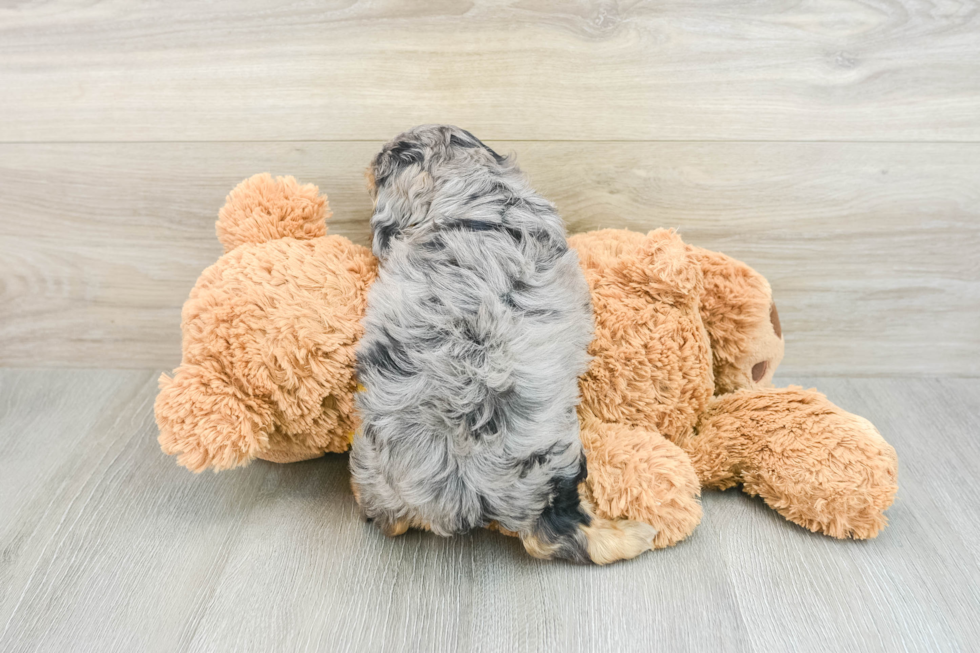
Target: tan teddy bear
<point>677,396</point>
<point>686,343</point>
<point>269,333</point>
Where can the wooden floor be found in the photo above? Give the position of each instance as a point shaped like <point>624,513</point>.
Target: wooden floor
<point>834,146</point>
<point>107,545</point>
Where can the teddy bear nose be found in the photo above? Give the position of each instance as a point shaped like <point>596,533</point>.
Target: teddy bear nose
<point>759,370</point>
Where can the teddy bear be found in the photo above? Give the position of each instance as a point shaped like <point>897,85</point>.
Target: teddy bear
<point>269,334</point>
<point>678,396</point>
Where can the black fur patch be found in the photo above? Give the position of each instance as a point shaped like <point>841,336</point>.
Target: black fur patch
<point>484,505</point>
<point>369,434</point>
<point>492,193</point>
<point>389,162</point>
<point>468,330</point>
<point>541,458</point>
<point>491,418</point>
<point>481,427</point>
<point>486,225</point>
<point>563,515</point>
<point>459,142</point>
<point>474,225</point>
<point>496,157</point>
<point>517,286</point>
<point>387,356</point>
<point>383,234</point>
<point>434,244</point>
<point>406,153</point>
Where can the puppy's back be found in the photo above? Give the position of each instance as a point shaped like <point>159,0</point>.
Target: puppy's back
<point>475,335</point>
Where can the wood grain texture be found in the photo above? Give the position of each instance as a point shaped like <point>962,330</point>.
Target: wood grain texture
<point>833,146</point>
<point>91,529</point>
<point>108,545</point>
<point>512,69</point>
<point>873,250</point>
<point>910,574</point>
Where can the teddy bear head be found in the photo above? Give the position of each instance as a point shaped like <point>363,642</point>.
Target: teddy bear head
<point>675,324</point>
<point>269,333</point>
<point>742,322</point>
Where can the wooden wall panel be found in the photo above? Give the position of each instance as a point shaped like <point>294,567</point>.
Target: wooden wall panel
<point>883,70</point>
<point>873,249</point>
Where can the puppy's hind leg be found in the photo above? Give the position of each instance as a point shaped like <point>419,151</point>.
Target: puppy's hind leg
<point>393,529</point>
<point>569,529</point>
<point>614,539</point>
<point>390,526</point>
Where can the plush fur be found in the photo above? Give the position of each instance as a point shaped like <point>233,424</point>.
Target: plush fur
<point>672,399</point>
<point>738,311</point>
<point>676,325</point>
<point>474,338</point>
<point>649,379</point>
<point>815,464</point>
<point>269,335</point>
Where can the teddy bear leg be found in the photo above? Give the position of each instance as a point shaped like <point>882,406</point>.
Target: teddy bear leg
<point>814,463</point>
<point>635,473</point>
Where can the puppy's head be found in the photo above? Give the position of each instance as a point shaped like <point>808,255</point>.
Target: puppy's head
<point>412,168</point>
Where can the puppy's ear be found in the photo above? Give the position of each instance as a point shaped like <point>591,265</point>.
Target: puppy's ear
<point>392,159</point>
<point>384,228</point>
<point>475,142</point>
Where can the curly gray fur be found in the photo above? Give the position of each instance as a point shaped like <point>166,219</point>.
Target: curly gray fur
<point>475,335</point>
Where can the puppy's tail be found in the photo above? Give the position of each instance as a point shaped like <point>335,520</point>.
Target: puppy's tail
<point>569,529</point>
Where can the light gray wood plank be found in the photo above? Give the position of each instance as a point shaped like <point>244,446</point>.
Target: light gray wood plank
<point>113,548</point>
<point>340,585</point>
<point>144,555</point>
<point>107,545</point>
<point>45,420</point>
<point>871,248</point>
<point>913,587</point>
<point>518,69</point>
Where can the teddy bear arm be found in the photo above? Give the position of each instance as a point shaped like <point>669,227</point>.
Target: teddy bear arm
<point>637,474</point>
<point>714,455</point>
<point>814,463</point>
<point>326,426</point>
<point>207,422</point>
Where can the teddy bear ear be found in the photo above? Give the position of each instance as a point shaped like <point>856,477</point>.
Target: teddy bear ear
<point>207,423</point>
<point>263,208</point>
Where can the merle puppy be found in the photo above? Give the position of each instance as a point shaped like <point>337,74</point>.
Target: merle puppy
<point>475,335</point>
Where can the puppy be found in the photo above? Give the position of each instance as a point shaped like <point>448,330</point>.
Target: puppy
<point>475,335</point>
